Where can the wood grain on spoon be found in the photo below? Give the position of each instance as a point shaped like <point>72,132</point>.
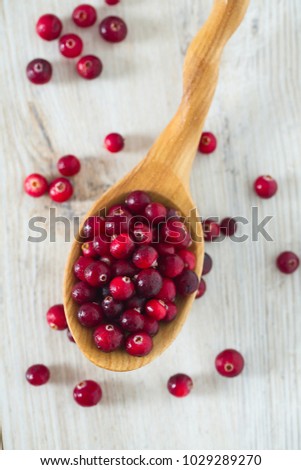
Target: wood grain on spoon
<point>164,173</point>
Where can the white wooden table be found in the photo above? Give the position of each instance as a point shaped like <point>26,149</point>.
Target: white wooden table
<point>249,305</point>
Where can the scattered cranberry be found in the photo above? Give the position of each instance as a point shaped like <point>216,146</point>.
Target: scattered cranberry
<point>123,267</point>
<point>112,2</point>
<point>113,29</point>
<point>56,317</point>
<point>39,71</point>
<point>287,262</point>
<point>97,273</point>
<point>151,325</point>
<point>139,344</point>
<point>229,363</point>
<point>137,201</point>
<point>188,257</point>
<point>70,45</point>
<point>88,250</point>
<point>187,282</point>
<point>228,226</point>
<point>82,293</point>
<point>207,143</point>
<point>148,283</point>
<point>90,315</point>
<point>87,393</point>
<point>68,165</point>
<point>171,265</point>
<point>114,142</point>
<point>207,266</point>
<point>155,212</point>
<point>122,246</point>
<point>60,190</point>
<point>69,336</point>
<point>201,289</point>
<point>211,230</point>
<point>171,311</point>
<point>35,185</point>
<point>156,309</point>
<point>112,308</point>
<point>101,245</point>
<point>122,288</point>
<point>89,67</point>
<point>132,320</point>
<point>108,337</point>
<point>167,291</point>
<point>84,16</point>
<point>145,257</point>
<point>142,234</point>
<point>49,27</point>
<point>265,186</point>
<point>180,385</point>
<point>37,374</point>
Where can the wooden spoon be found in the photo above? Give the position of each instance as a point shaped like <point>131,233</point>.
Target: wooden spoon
<point>164,173</point>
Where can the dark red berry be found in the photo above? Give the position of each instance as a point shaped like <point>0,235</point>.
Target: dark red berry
<point>132,320</point>
<point>164,248</point>
<point>188,257</point>
<point>201,289</point>
<point>94,226</point>
<point>37,374</point>
<point>87,393</point>
<point>119,209</point>
<point>84,16</point>
<point>80,265</point>
<point>151,325</point>
<point>39,71</point>
<point>145,257</point>
<point>88,250</point>
<point>113,29</point>
<point>111,308</point>
<point>122,246</point>
<point>112,2</point>
<point>114,142</point>
<point>265,186</point>
<point>108,259</point>
<point>69,165</point>
<point>69,336</point>
<point>49,27</point>
<point>208,143</point>
<point>117,224</point>
<point>167,291</point>
<point>170,265</point>
<point>287,262</point>
<point>108,337</point>
<point>82,293</point>
<point>229,363</point>
<point>207,266</point>
<point>228,226</point>
<point>97,274</point>
<point>179,385</point>
<point>70,45</point>
<point>89,67</point>
<point>137,201</point>
<point>148,283</point>
<point>187,282</point>
<point>142,234</point>
<point>35,185</point>
<point>155,212</point>
<point>60,190</point>
<point>56,317</point>
<point>135,302</point>
<point>156,309</point>
<point>90,314</point>
<point>211,230</point>
<point>101,245</point>
<point>122,288</point>
<point>123,267</point>
<point>139,344</point>
<point>171,312</point>
<point>173,214</point>
<point>175,233</point>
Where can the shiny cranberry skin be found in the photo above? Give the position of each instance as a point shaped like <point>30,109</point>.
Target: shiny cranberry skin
<point>171,312</point>
<point>287,262</point>
<point>119,209</point>
<point>228,226</point>
<point>211,230</point>
<point>84,16</point>
<point>139,344</point>
<point>69,336</point>
<point>137,201</point>
<point>80,265</point>
<point>112,2</point>
<point>135,302</point>
<point>229,363</point>
<point>60,190</point>
<point>38,374</point>
<point>49,27</point>
<point>122,246</point>
<point>179,385</point>
<point>170,265</point>
<point>113,29</point>
<point>131,320</point>
<point>82,293</point>
<point>265,186</point>
<point>156,309</point>
<point>188,257</point>
<point>148,283</point>
<point>35,185</point>
<point>201,289</point>
<point>207,266</point>
<point>89,67</point>
<point>90,315</point>
<point>93,226</point>
<point>155,212</point>
<point>108,259</point>
<point>164,248</point>
<point>69,165</point>
<point>56,317</point>
<point>108,337</point>
<point>111,308</point>
<point>151,325</point>
<point>117,224</point>
<point>87,393</point>
<point>145,257</point>
<point>97,274</point>
<point>175,233</point>
<point>142,234</point>
<point>114,142</point>
<point>187,282</point>
<point>39,71</point>
<point>123,267</point>
<point>167,291</point>
<point>122,288</point>
<point>70,45</point>
<point>88,250</point>
<point>208,143</point>
<point>101,245</point>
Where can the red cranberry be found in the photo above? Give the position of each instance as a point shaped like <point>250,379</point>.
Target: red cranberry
<point>87,393</point>
<point>156,309</point>
<point>93,227</point>
<point>122,288</point>
<point>137,201</point>
<point>39,71</point>
<point>207,266</point>
<point>211,230</point>
<point>208,143</point>
<point>90,314</point>
<point>70,45</point>
<point>56,317</point>
<point>167,291</point>
<point>287,262</point>
<point>228,226</point>
<point>35,185</point>
<point>135,302</point>
<point>171,265</point>
<point>69,336</point>
<point>49,27</point>
<point>119,209</point>
<point>155,212</point>
<point>122,246</point>
<point>123,267</point>
<point>179,385</point>
<point>171,312</point>
<point>142,234</point>
<point>113,29</point>
<point>101,245</point>
<point>164,249</point>
<point>173,214</point>
<point>82,293</point>
<point>187,282</point>
<point>60,190</point>
<point>151,325</point>
<point>97,273</point>
<point>108,337</point>
<point>111,308</point>
<point>80,265</point>
<point>265,186</point>
<point>148,283</point>
<point>188,257</point>
<point>84,16</point>
<point>114,142</point>
<point>139,344</point>
<point>69,165</point>
<point>175,233</point>
<point>132,320</point>
<point>88,250</point>
<point>229,363</point>
<point>112,2</point>
<point>116,224</point>
<point>37,374</point>
<point>201,289</point>
<point>145,257</point>
<point>89,67</point>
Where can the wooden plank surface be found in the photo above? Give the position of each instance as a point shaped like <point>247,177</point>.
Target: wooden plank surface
<point>249,305</point>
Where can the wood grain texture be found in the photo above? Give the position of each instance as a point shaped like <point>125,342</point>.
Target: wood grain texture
<point>249,305</point>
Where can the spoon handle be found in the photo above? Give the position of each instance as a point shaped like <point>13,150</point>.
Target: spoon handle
<point>176,147</point>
